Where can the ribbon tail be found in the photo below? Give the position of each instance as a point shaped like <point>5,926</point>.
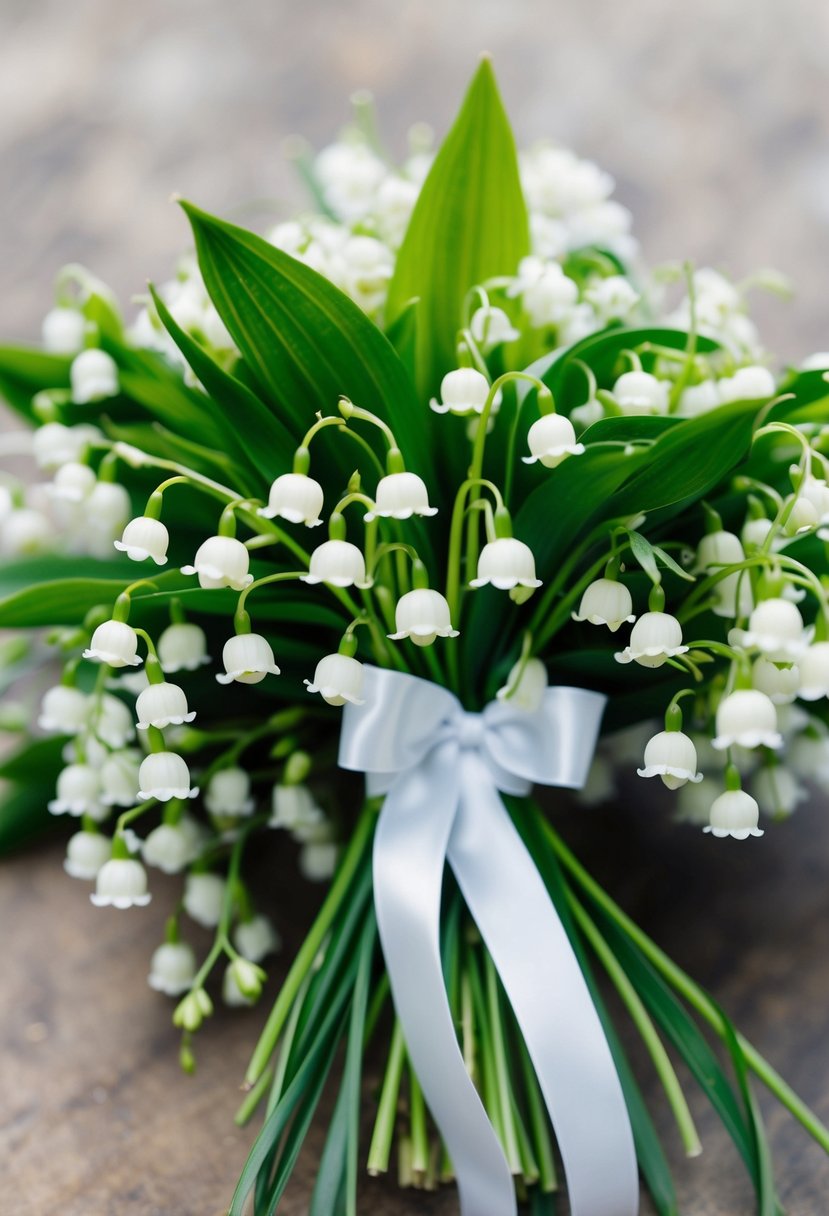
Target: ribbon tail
<point>409,858</point>
<point>545,986</point>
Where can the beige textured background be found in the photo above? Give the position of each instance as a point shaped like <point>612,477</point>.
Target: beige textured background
<point>713,118</point>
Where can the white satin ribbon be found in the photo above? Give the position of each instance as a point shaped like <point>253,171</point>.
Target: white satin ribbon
<point>440,769</point>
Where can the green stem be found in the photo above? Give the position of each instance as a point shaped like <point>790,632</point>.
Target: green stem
<point>380,1148</point>
<point>695,996</point>
<point>642,1022</point>
<point>351,861</point>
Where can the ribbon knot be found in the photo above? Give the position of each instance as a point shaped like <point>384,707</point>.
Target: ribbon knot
<point>471,731</point>
<point>441,769</point>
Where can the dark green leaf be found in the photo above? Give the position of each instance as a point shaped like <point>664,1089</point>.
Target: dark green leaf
<point>767,1201</point>
<point>469,224</point>
<point>305,342</point>
<point>25,371</point>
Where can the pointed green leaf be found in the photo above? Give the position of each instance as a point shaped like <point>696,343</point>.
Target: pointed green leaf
<point>304,341</point>
<point>25,371</point>
<point>245,419</point>
<point>469,224</point>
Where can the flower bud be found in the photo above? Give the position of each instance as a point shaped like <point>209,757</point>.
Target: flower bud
<point>192,1010</point>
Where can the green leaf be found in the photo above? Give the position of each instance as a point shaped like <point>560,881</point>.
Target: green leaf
<point>469,224</point>
<point>63,601</point>
<point>27,782</point>
<point>767,1201</point>
<point>402,333</point>
<point>25,371</point>
<point>245,419</point>
<point>304,341</point>
<point>650,557</point>
<point>688,460</point>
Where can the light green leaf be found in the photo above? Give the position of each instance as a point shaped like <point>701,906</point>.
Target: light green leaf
<point>304,341</point>
<point>469,224</point>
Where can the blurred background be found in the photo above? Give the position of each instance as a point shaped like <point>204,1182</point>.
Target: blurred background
<point>713,119</point>
<point>711,116</point>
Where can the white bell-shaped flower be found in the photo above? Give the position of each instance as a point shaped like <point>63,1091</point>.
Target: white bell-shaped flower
<point>27,533</point>
<point>698,399</point>
<point>777,790</point>
<point>167,848</point>
<point>248,658</point>
<point>73,483</point>
<point>338,563</point>
<point>172,968</point>
<point>754,532</point>
<point>655,637</point>
<point>318,860</point>
<point>735,813</point>
<point>86,852</point>
<point>115,643</point>
<point>746,718</point>
<point>203,898</point>
<point>232,994</point>
<point>228,793</point>
<point>641,393</point>
<point>814,672</point>
<point>808,756</point>
<point>747,384</point>
<point>547,293</point>
<point>63,331</point>
<point>78,792</point>
<point>119,778</point>
<point>111,722</point>
<point>551,439</point>
<point>525,687</point>
<point>775,628</point>
<point>221,561</point>
<point>294,808</point>
<point>64,710</point>
<point>182,647</point>
<point>256,938</point>
<point>671,755</point>
<point>338,678</point>
<point>400,496</point>
<point>164,775</point>
<point>803,516</point>
<point>422,615</point>
<point>144,537</point>
<point>464,391</point>
<point>491,327</point>
<point>54,444</point>
<point>295,497</point>
<point>162,705</point>
<point>732,594</point>
<point>612,298</point>
<point>605,602</point>
<point>506,563</point>
<point>816,491</point>
<point>93,376</point>
<point>780,684</point>
<point>121,883</point>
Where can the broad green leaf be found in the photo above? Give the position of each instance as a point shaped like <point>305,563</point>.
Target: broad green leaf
<point>265,440</point>
<point>157,440</point>
<point>27,782</point>
<point>689,460</point>
<point>635,429</point>
<point>469,224</point>
<point>32,760</point>
<point>402,333</point>
<point>304,341</point>
<point>159,389</point>
<point>65,601</point>
<point>24,371</point>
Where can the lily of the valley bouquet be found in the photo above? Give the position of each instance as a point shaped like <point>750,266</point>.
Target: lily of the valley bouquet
<point>433,484</point>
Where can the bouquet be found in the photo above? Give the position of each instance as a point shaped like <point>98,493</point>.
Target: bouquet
<point>434,484</point>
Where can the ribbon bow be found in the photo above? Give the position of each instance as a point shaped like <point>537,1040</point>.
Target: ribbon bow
<point>440,769</point>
